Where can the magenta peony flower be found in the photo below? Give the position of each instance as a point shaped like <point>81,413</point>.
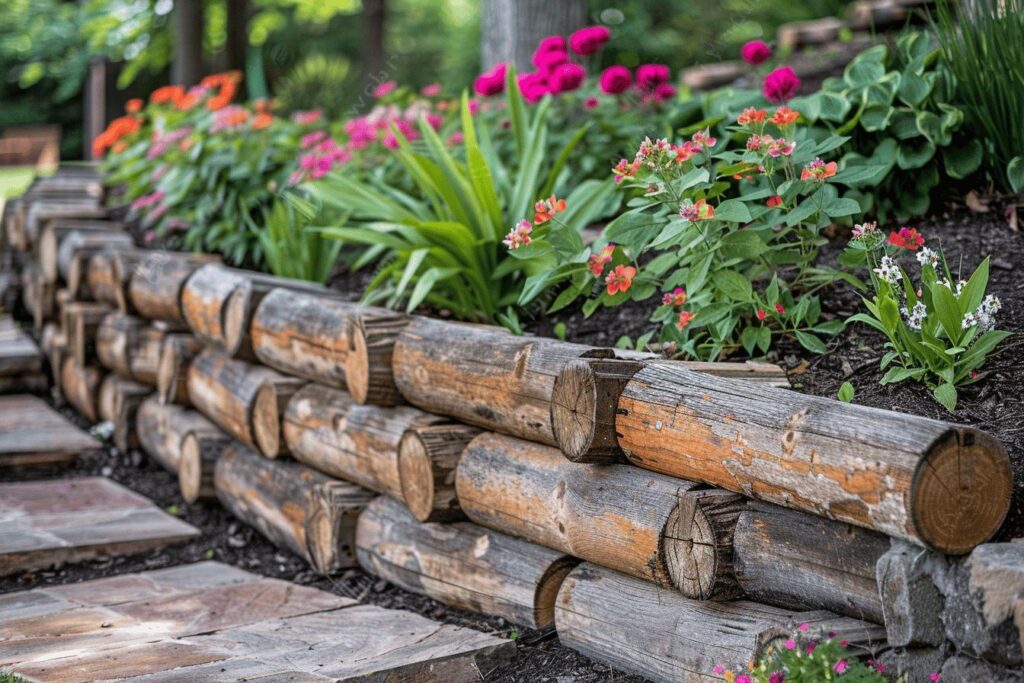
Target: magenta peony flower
<point>781,85</point>
<point>664,92</point>
<point>491,82</point>
<point>777,677</point>
<point>589,40</point>
<point>534,86</point>
<point>567,77</point>
<point>385,89</point>
<point>550,43</point>
<point>550,60</point>
<point>648,76</point>
<point>615,79</point>
<point>756,52</point>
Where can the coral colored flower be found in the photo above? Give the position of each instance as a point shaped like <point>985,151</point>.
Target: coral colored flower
<point>685,317</point>
<point>781,85</point>
<point>620,279</point>
<point>519,236</point>
<point>761,314</point>
<point>840,666</point>
<point>229,118</point>
<point>729,676</point>
<point>625,169</point>
<point>385,89</point>
<point>224,86</point>
<point>818,170</point>
<point>751,115</point>
<point>784,116</point>
<point>261,121</point>
<point>906,238</point>
<point>589,40</point>
<point>133,106</point>
<point>307,118</point>
<point>756,52</point>
<point>780,147</point>
<point>781,309</point>
<point>649,76</point>
<point>598,261</point>
<point>703,138</point>
<point>491,82</point>
<point>432,90</point>
<point>685,151</point>
<point>774,200</point>
<point>615,79</point>
<point>546,209</point>
<point>112,136</point>
<point>677,297</point>
<point>567,77</point>
<point>169,94</point>
<point>696,211</point>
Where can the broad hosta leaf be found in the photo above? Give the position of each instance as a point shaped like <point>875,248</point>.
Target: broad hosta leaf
<point>913,89</point>
<point>913,154</point>
<point>1015,173</point>
<point>961,162</point>
<point>876,117</point>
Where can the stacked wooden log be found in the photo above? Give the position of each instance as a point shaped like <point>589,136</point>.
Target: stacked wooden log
<point>625,499</point>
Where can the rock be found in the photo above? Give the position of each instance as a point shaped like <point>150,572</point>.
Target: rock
<point>913,664</point>
<point>911,602</point>
<point>968,670</point>
<point>980,600</point>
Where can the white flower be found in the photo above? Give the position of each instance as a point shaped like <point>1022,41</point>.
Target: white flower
<point>915,318</point>
<point>949,285</point>
<point>928,256</point>
<point>991,305</point>
<point>889,270</point>
<point>862,229</point>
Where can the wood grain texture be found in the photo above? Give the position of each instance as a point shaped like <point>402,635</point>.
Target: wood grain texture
<point>427,459</point>
<point>156,286</point>
<point>801,561</point>
<point>80,321</point>
<point>646,525</point>
<point>32,432</point>
<point>162,428</point>
<point>282,500</point>
<point>18,353</point>
<point>326,430</point>
<point>55,231</point>
<point>80,386</point>
<point>200,451</point>
<point>640,628</point>
<point>462,564</point>
<point>238,310</point>
<point>941,485</point>
<point>82,244</point>
<point>227,391</point>
<point>483,376</point>
<point>368,368</point>
<point>117,339</point>
<point>45,524</point>
<point>176,353</point>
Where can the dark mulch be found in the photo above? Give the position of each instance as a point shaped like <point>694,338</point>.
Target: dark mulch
<point>995,404</point>
<point>539,656</point>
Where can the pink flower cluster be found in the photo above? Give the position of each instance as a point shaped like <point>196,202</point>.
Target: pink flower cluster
<point>148,200</point>
<point>162,143</point>
<point>307,118</point>
<point>652,82</point>
<point>322,156</point>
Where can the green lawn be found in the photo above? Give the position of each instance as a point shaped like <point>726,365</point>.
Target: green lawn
<point>6,677</point>
<point>13,181</point>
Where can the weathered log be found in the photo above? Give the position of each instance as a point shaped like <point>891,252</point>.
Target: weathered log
<point>144,356</point>
<point>176,354</point>
<point>484,376</point>
<point>812,32</point>
<point>37,214</point>
<point>156,285</point>
<point>107,397</point>
<point>130,347</point>
<point>80,386</point>
<point>82,244</point>
<point>109,271</point>
<point>944,486</point>
<point>80,321</point>
<point>162,428</point>
<point>800,561</point>
<point>245,400</point>
<point>586,394</point>
<point>294,506</point>
<point>199,454</point>
<point>304,335</point>
<point>427,459</point>
<point>638,627</point>
<point>328,431</point>
<point>49,337</point>
<point>658,528</point>
<point>368,368</point>
<point>462,564</point>
<point>38,295</point>
<point>56,352</point>
<point>54,233</point>
<point>242,302</point>
<point>203,299</point>
<point>128,396</point>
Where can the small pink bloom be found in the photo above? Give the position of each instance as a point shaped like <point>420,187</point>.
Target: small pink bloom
<point>455,139</point>
<point>649,76</point>
<point>790,644</point>
<point>664,92</point>
<point>567,77</point>
<point>756,52</point>
<point>781,85</point>
<point>761,314</point>
<point>802,627</point>
<point>777,677</point>
<point>549,61</point>
<point>432,90</point>
<point>935,676</point>
<point>589,40</point>
<point>491,82</point>
<point>534,86</point>
<point>781,309</point>
<point>840,666</point>
<point>719,669</point>
<point>590,102</point>
<point>385,89</point>
<point>519,236</point>
<point>615,79</point>
<point>743,678</point>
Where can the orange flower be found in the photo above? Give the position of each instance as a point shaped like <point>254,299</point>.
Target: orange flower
<point>684,319</point>
<point>187,101</point>
<point>546,209</point>
<point>262,105</point>
<point>226,85</point>
<point>133,106</point>
<point>262,120</point>
<point>169,94</point>
<point>118,129</point>
<point>818,170</point>
<point>692,212</point>
<point>620,279</point>
<point>597,262</point>
<point>751,115</point>
<point>785,116</point>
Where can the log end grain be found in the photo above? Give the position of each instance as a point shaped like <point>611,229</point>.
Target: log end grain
<point>237,313</point>
<point>331,519</point>
<point>583,403</point>
<point>415,472</point>
<point>368,368</point>
<point>266,421</point>
<point>190,469</point>
<point>698,544</point>
<point>547,590</point>
<point>961,491</point>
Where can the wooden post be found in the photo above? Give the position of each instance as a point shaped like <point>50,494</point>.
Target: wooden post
<point>238,309</point>
<point>297,508</point>
<point>162,428</point>
<point>660,529</point>
<point>326,430</point>
<point>586,394</point>
<point>80,386</point>
<point>176,354</point>
<point>81,321</point>
<point>156,286</point>
<point>800,561</point>
<point>941,485</point>
<point>199,454</point>
<point>427,458</point>
<point>462,564</point>
<point>484,376</point>
<point>245,400</point>
<point>305,335</point>
<point>640,628</point>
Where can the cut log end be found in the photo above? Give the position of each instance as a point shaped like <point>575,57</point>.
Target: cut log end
<point>190,468</point>
<point>415,473</point>
<point>583,404</point>
<point>548,587</point>
<point>961,491</point>
<point>167,375</point>
<point>322,539</point>
<point>266,421</point>
<point>368,371</point>
<point>357,368</point>
<point>236,318</point>
<point>427,458</point>
<point>698,544</point>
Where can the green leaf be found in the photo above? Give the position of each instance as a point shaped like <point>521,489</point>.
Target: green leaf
<point>962,161</point>
<point>733,285</point>
<point>900,374</point>
<point>930,126</point>
<point>946,395</point>
<point>748,338</point>
<point>913,89</point>
<point>846,392</point>
<point>634,230</point>
<point>810,342</point>
<point>842,207</point>
<point>914,153</point>
<point>865,69</point>
<point>948,311</point>
<point>974,291</point>
<point>732,211</point>
<point>1015,174</point>
<point>742,244</point>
